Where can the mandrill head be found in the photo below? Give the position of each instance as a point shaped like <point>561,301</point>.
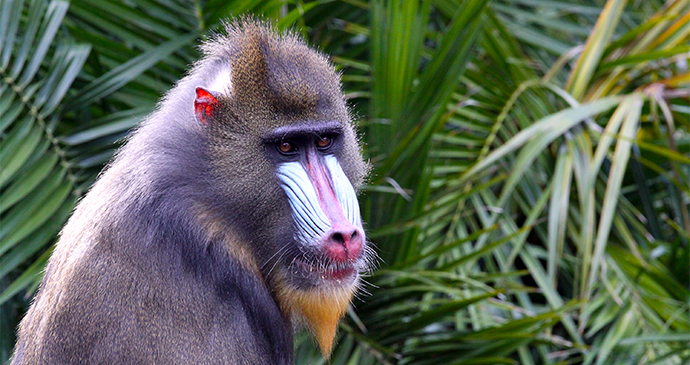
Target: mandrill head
<point>285,162</point>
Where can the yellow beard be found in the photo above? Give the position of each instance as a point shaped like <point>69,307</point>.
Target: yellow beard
<point>320,309</point>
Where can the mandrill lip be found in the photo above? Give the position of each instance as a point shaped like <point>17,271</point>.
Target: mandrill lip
<point>343,274</point>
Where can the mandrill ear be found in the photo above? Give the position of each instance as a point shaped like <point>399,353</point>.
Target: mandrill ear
<point>205,105</point>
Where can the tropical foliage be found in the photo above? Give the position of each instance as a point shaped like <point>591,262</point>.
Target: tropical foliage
<point>531,184</point>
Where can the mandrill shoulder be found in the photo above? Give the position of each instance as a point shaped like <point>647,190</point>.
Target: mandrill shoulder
<point>151,305</point>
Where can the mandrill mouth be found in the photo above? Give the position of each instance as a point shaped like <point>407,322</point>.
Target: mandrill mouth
<point>316,273</point>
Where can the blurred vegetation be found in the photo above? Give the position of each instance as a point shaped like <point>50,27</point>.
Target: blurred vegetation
<point>531,187</point>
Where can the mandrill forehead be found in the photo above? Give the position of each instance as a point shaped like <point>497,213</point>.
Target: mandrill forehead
<point>302,84</point>
<point>270,117</point>
<point>273,126</point>
<point>287,100</point>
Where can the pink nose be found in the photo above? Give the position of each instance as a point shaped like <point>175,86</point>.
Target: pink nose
<point>344,244</point>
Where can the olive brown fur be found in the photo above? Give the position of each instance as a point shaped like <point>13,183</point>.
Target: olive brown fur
<point>175,255</point>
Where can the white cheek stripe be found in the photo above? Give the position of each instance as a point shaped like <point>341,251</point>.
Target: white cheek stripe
<point>312,222</point>
<point>344,192</point>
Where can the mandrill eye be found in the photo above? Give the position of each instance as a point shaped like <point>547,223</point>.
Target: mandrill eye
<point>324,142</point>
<point>287,147</point>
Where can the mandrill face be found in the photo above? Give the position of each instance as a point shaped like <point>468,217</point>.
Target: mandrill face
<point>328,226</point>
<point>312,227</point>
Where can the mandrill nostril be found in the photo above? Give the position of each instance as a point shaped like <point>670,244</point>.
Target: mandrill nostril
<point>338,237</point>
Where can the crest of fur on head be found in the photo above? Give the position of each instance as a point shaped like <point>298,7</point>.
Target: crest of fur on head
<point>275,77</point>
<point>273,80</point>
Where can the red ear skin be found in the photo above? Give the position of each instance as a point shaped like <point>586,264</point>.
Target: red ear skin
<point>204,105</point>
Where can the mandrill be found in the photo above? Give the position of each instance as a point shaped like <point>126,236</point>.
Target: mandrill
<point>227,218</point>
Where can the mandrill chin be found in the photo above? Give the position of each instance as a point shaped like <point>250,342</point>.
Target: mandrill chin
<point>227,218</point>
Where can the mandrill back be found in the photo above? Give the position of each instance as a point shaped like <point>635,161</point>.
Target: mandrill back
<point>227,218</point>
